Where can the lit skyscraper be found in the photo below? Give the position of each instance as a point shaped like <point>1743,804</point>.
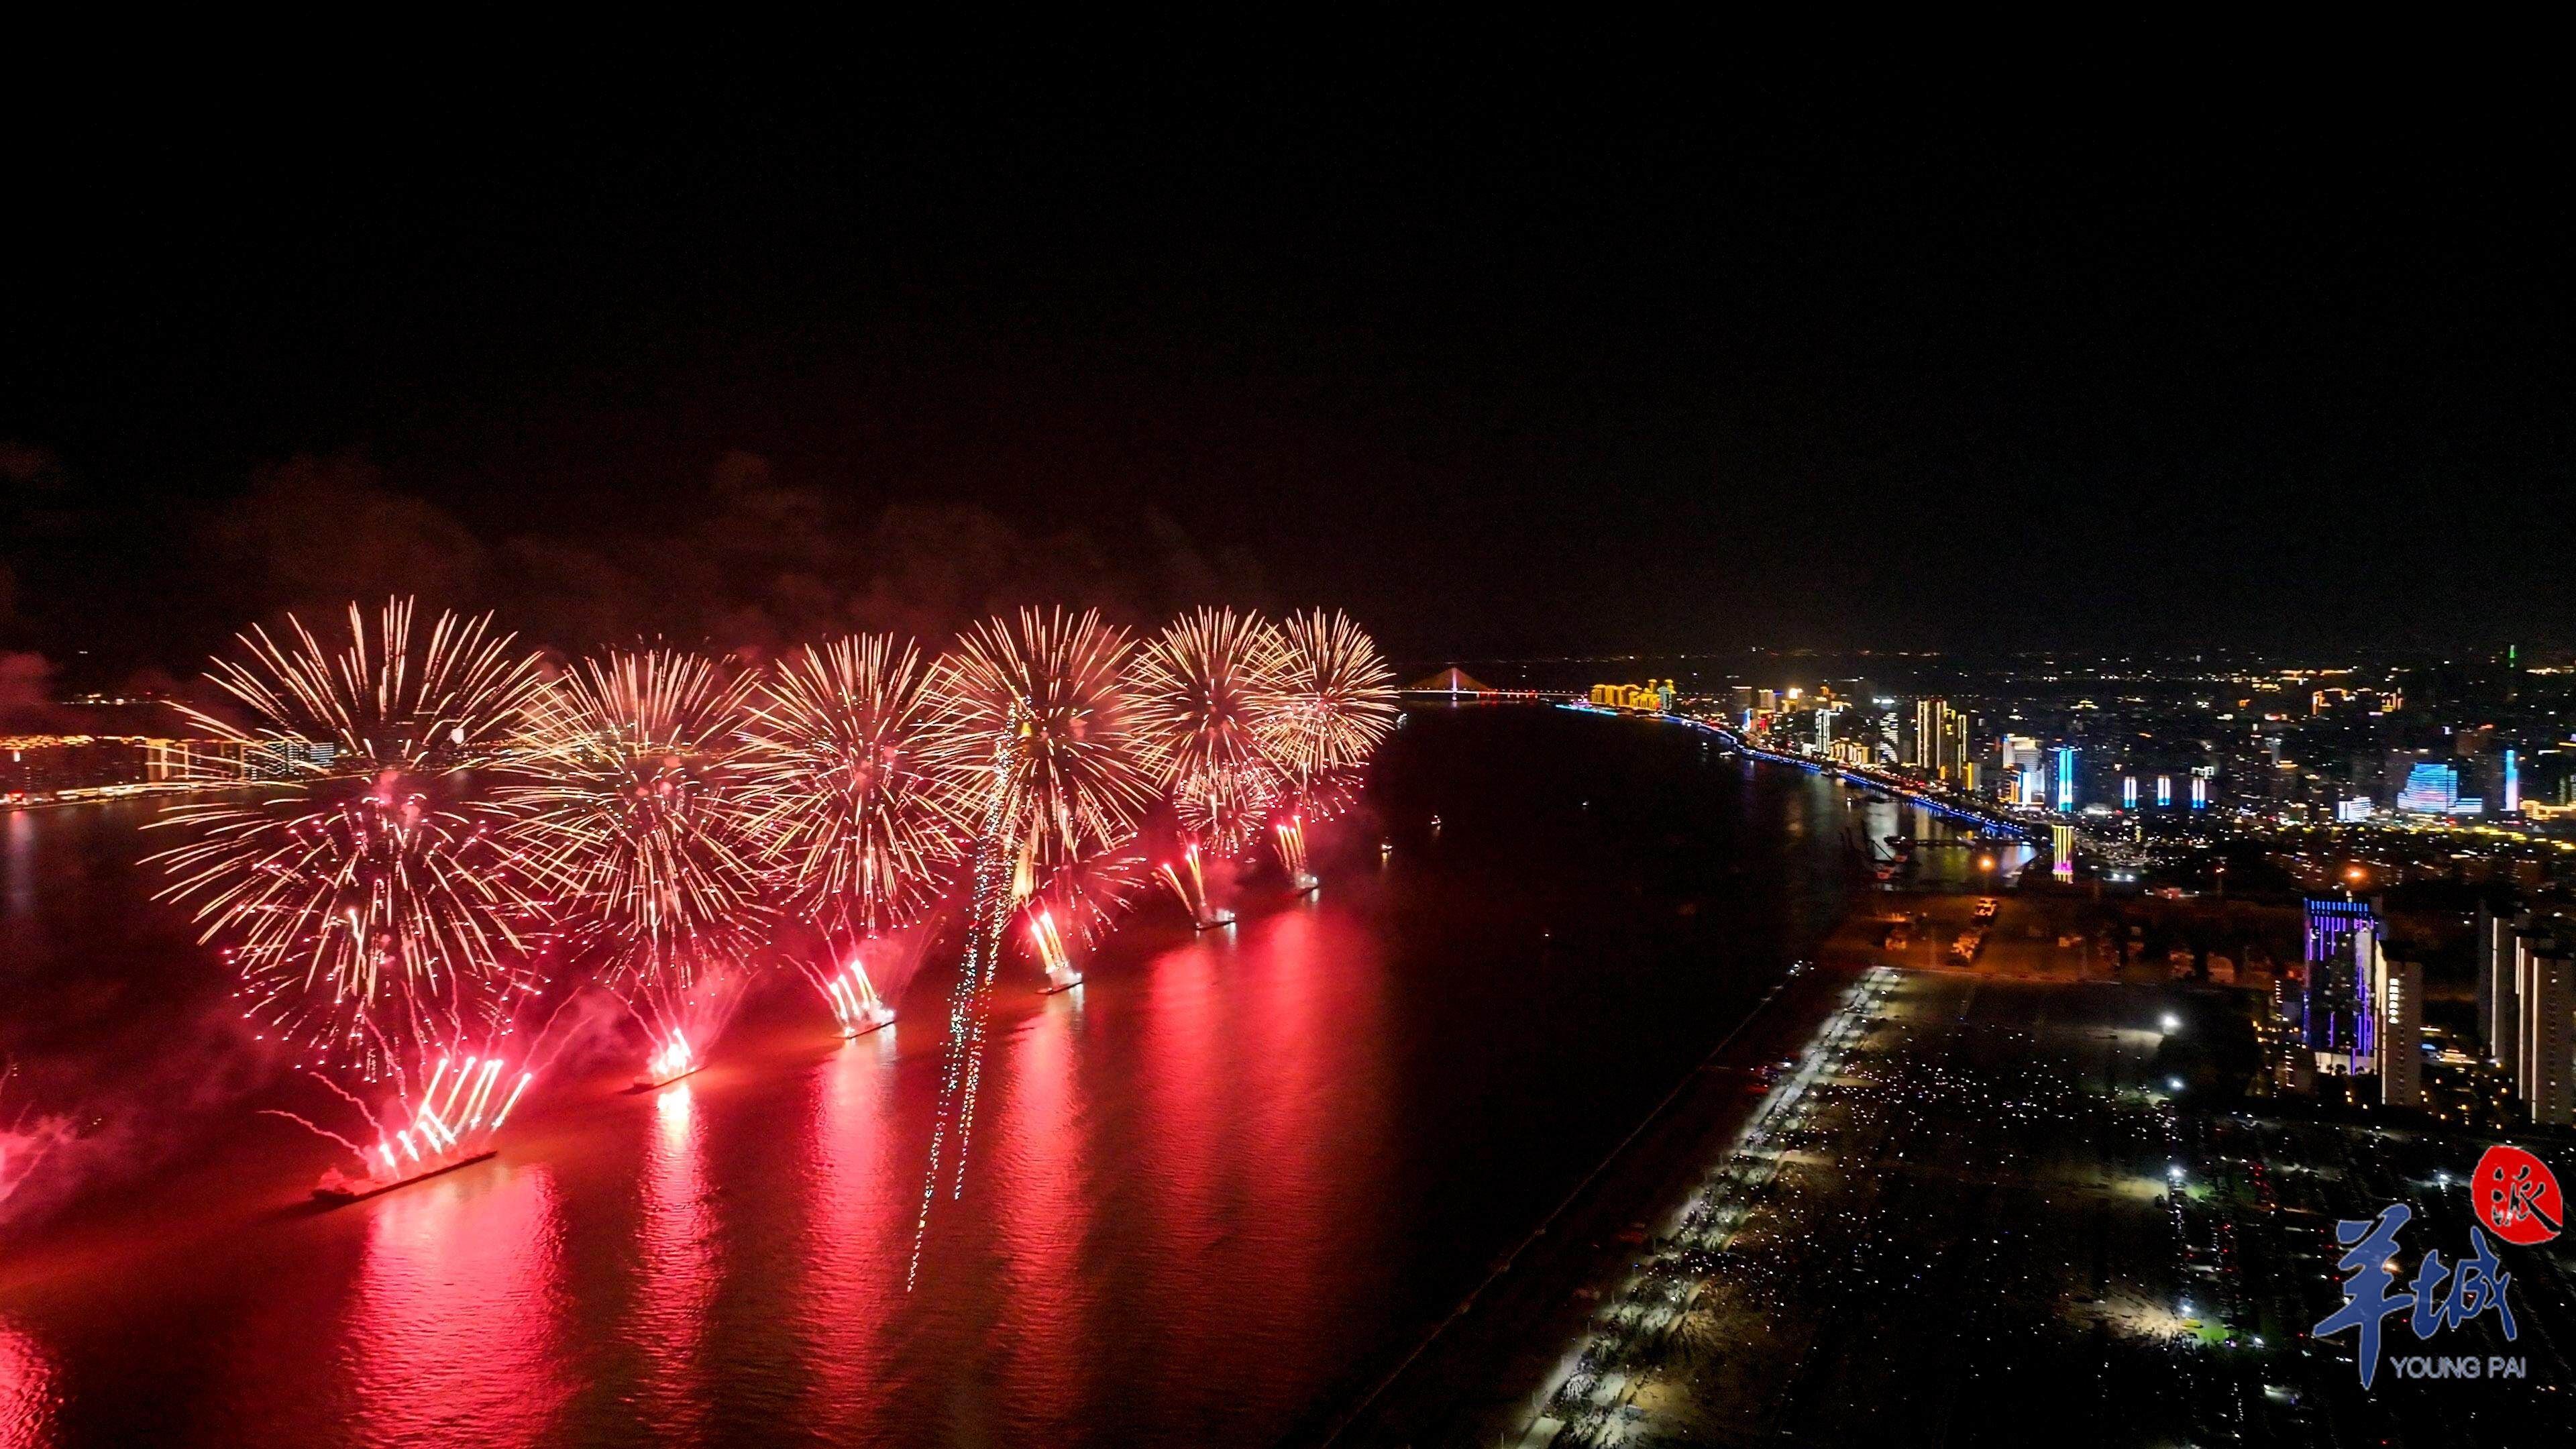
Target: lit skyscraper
<point>2342,969</point>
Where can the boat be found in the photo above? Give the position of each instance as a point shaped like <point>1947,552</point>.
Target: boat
<point>340,1192</point>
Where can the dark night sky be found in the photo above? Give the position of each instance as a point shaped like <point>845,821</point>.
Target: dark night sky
<point>1561,351</point>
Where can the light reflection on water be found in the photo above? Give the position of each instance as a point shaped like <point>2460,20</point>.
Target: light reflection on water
<point>26,1392</point>
<point>1226,1180</point>
<point>454,1335</point>
<point>679,1274</point>
<point>854,1240</point>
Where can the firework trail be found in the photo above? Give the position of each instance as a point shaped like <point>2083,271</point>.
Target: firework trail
<point>1290,841</point>
<point>1039,755</point>
<point>1337,701</point>
<point>1076,911</point>
<point>1187,876</point>
<point>634,823</point>
<point>849,819</point>
<point>452,1121</point>
<point>358,881</point>
<point>1203,687</point>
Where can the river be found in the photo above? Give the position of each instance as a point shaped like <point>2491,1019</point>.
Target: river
<point>1213,1193</point>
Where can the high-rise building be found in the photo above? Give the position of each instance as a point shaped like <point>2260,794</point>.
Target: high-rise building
<point>2545,990</point>
<point>2062,787</point>
<point>2397,997</point>
<point>1939,747</point>
<point>2342,944</point>
<point>2499,1020</point>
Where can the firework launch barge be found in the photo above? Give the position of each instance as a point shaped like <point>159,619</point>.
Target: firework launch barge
<point>340,1191</point>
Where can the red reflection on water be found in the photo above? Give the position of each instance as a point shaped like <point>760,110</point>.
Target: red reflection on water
<point>1312,1063</point>
<point>677,1245</point>
<point>1044,1210</point>
<point>859,1230</point>
<point>453,1334</point>
<point>27,1397</point>
<point>1188,1091</point>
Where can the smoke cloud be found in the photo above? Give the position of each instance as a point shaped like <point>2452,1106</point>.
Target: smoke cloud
<point>755,565</point>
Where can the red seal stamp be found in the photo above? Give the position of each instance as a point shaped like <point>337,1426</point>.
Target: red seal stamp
<point>2516,1196</point>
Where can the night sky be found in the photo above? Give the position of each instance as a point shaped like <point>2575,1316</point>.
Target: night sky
<point>1587,348</point>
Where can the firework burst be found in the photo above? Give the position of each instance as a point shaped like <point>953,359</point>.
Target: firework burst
<point>359,884</point>
<point>1335,703</point>
<point>1039,718</point>
<point>850,822</point>
<point>1202,689</point>
<point>1041,760</point>
<point>635,824</point>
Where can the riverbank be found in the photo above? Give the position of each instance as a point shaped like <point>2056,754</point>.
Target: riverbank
<point>1485,1370</point>
<point>1978,1203</point>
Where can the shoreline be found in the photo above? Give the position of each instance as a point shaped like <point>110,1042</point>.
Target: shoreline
<point>1484,1368</point>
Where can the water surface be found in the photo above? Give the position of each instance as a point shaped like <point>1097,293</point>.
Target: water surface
<point>1211,1194</point>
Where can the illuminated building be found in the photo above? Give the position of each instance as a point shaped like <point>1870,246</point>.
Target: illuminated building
<point>2433,788</point>
<point>2341,958</point>
<point>2512,785</point>
<point>2498,937</point>
<point>2199,792</point>
<point>2020,752</point>
<point>73,767</point>
<point>2128,792</point>
<point>2397,994</point>
<point>2545,994</point>
<point>2164,792</point>
<point>1649,695</point>
<point>287,759</point>
<point>2065,791</point>
<point>2527,1008</point>
<point>1940,742</point>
